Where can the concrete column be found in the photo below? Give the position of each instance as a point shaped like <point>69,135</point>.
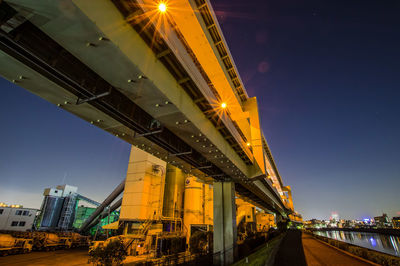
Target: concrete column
<point>281,222</point>
<point>278,218</point>
<point>225,231</point>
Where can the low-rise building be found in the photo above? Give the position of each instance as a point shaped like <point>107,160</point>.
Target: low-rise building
<point>349,224</point>
<point>314,223</point>
<point>16,218</point>
<point>382,221</point>
<point>396,222</point>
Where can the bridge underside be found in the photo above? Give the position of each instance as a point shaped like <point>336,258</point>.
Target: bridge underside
<point>62,56</point>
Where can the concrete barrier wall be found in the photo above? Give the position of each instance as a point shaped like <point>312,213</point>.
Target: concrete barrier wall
<point>365,253</point>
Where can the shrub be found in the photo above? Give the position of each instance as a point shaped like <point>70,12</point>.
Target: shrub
<point>112,254</point>
<point>201,242</point>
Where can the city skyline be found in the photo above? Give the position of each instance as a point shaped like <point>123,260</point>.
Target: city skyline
<point>327,93</point>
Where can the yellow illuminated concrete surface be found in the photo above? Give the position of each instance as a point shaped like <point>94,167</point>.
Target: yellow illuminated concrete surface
<point>198,203</point>
<point>173,192</point>
<point>255,130</point>
<point>245,211</point>
<point>265,221</point>
<point>144,187</point>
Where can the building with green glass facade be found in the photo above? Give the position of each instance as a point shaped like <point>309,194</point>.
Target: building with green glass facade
<point>82,213</point>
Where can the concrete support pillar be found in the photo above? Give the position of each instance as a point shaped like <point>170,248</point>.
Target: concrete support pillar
<point>281,222</point>
<point>278,218</point>
<point>225,231</point>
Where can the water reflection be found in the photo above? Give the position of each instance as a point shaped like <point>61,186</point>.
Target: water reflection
<point>383,243</point>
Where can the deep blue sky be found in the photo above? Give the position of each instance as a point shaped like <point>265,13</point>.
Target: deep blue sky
<point>326,75</point>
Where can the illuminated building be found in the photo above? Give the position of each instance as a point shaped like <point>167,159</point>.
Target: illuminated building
<point>382,221</point>
<point>334,217</point>
<point>314,223</point>
<point>396,222</point>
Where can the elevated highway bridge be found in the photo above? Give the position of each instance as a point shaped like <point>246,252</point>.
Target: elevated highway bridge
<point>163,80</point>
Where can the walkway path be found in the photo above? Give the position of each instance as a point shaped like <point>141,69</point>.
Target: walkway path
<point>301,250</point>
<point>290,251</point>
<point>318,253</point>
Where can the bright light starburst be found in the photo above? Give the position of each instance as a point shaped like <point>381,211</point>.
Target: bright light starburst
<point>162,7</point>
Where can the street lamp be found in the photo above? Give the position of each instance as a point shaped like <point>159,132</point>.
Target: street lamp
<point>162,7</point>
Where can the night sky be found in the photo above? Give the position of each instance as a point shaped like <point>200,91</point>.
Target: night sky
<point>326,75</point>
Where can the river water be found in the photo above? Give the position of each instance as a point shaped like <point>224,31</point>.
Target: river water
<point>383,243</point>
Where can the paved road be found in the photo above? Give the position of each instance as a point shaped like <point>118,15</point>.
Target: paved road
<point>290,251</point>
<point>318,253</point>
<point>71,257</point>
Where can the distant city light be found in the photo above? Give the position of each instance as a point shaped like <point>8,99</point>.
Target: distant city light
<point>162,7</point>
<point>248,143</point>
<point>223,105</point>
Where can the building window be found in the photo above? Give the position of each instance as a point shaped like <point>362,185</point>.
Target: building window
<point>19,212</point>
<point>1,211</point>
<point>25,213</point>
<point>21,223</point>
<point>14,223</point>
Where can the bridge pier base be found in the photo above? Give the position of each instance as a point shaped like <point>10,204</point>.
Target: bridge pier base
<point>225,231</point>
